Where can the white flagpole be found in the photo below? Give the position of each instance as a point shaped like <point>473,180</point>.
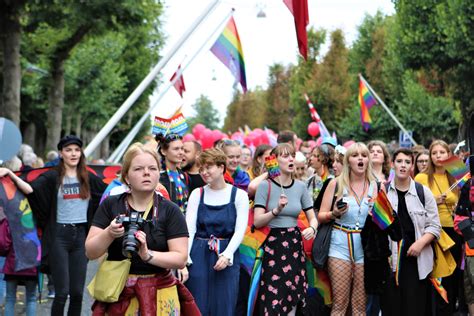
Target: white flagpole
<point>145,83</point>
<point>131,135</point>
<point>388,110</point>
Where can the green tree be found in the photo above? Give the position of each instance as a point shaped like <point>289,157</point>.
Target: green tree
<point>206,113</point>
<point>278,110</point>
<point>246,109</point>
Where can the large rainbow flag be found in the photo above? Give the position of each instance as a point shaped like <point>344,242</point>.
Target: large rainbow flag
<point>457,169</point>
<point>229,51</point>
<point>174,125</point>
<point>382,212</point>
<point>366,101</point>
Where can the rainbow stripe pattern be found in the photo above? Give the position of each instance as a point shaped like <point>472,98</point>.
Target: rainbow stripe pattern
<point>457,169</point>
<point>366,101</point>
<point>401,244</point>
<point>382,212</point>
<point>439,288</point>
<point>228,50</point>
<point>174,125</point>
<point>271,163</point>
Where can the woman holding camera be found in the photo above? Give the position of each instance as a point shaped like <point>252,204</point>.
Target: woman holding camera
<point>64,200</point>
<point>347,200</point>
<point>162,241</point>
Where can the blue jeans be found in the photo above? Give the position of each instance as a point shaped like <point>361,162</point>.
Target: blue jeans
<point>2,282</point>
<point>68,262</point>
<point>30,298</point>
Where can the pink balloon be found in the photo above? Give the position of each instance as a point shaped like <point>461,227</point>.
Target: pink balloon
<point>216,135</point>
<point>348,144</point>
<point>313,129</point>
<point>198,129</point>
<point>319,141</point>
<point>248,140</point>
<point>264,139</point>
<point>189,138</point>
<point>312,144</point>
<point>298,142</point>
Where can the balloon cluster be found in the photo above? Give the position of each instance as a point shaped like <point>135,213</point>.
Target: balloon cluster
<point>252,138</point>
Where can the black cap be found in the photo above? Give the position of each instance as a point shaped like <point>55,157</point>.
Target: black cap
<point>68,140</point>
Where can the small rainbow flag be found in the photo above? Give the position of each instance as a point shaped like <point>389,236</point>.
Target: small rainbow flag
<point>382,212</point>
<point>174,125</point>
<point>439,288</point>
<point>229,51</point>
<point>271,163</point>
<point>366,101</point>
<point>457,169</point>
<point>401,244</point>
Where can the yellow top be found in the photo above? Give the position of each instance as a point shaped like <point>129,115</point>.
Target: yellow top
<point>439,186</point>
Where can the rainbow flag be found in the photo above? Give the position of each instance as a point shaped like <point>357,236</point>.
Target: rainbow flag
<point>229,51</point>
<point>174,125</point>
<point>439,288</point>
<point>366,101</point>
<point>271,163</point>
<point>382,212</point>
<point>455,167</point>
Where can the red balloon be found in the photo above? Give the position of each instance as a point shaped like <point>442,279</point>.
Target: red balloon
<point>349,143</point>
<point>313,129</point>
<point>198,129</point>
<point>216,135</point>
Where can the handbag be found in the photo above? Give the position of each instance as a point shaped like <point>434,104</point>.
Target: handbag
<point>322,240</point>
<point>109,280</point>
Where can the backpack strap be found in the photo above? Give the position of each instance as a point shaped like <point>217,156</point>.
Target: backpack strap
<point>420,192</point>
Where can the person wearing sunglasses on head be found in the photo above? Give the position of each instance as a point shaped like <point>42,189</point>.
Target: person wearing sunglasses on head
<point>176,182</point>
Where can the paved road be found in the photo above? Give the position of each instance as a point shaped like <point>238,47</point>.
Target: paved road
<point>44,308</point>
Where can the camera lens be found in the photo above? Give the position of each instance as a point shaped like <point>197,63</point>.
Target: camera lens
<point>130,243</point>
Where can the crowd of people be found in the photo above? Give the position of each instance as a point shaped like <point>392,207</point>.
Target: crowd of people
<point>197,206</point>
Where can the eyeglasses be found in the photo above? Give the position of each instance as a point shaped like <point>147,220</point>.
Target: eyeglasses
<point>230,142</point>
<point>422,161</point>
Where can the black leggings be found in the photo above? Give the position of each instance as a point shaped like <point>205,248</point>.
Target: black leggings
<point>68,264</point>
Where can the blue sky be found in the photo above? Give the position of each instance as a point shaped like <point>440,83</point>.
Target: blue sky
<point>265,41</point>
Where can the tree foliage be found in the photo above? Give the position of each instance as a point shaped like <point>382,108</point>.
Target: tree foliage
<point>206,114</point>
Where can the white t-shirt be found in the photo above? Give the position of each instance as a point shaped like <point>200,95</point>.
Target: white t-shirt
<point>219,197</point>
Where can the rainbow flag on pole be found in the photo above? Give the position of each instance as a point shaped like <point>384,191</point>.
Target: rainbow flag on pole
<point>366,101</point>
<point>174,125</point>
<point>382,212</point>
<point>229,51</point>
<point>457,169</point>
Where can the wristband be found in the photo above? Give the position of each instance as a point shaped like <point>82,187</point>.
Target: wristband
<point>274,213</point>
<point>314,229</point>
<point>150,256</point>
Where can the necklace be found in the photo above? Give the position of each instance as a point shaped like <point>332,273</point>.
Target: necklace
<point>357,197</point>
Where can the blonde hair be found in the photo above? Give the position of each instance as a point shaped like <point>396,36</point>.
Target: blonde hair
<point>133,151</point>
<point>344,179</point>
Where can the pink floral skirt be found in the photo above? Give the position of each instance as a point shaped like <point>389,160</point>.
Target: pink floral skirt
<point>283,281</point>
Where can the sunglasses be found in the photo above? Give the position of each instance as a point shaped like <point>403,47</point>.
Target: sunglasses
<point>169,137</point>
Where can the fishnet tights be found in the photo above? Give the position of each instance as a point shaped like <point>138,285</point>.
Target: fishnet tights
<point>346,276</point>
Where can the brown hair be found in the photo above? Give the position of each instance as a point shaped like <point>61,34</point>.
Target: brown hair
<point>213,156</point>
<point>133,151</point>
<point>258,168</point>
<point>326,154</point>
<point>405,151</point>
<point>424,152</point>
<point>81,173</point>
<point>282,149</point>
<point>430,170</point>
<point>386,155</point>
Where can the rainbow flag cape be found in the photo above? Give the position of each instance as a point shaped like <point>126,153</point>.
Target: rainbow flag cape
<point>271,163</point>
<point>174,125</point>
<point>457,169</point>
<point>228,50</point>
<point>366,101</point>
<point>382,212</point>
<point>439,288</point>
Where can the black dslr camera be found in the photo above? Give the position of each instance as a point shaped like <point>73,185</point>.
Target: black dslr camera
<point>467,229</point>
<point>132,223</point>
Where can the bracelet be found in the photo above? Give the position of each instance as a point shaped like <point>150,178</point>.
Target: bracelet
<point>274,213</point>
<point>314,229</point>
<point>150,256</point>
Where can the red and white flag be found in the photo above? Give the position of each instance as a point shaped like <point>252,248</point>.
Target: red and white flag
<point>299,9</point>
<point>179,84</point>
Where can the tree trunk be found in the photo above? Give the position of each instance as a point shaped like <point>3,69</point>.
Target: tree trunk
<point>104,148</point>
<point>56,103</point>
<point>11,36</point>
<point>68,125</point>
<point>29,134</point>
<point>78,129</point>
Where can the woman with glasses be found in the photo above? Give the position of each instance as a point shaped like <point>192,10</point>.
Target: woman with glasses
<point>246,159</point>
<point>421,162</point>
<point>217,218</point>
<point>440,181</point>
<point>234,174</point>
<point>176,182</point>
<point>380,159</point>
<point>278,203</point>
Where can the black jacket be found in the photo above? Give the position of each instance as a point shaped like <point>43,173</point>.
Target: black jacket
<point>44,202</point>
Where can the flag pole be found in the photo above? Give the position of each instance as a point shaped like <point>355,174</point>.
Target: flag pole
<point>388,110</point>
<point>316,116</point>
<point>116,155</point>
<point>127,104</point>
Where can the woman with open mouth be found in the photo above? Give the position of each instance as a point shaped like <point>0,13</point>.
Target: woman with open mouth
<point>347,200</point>
<point>278,202</point>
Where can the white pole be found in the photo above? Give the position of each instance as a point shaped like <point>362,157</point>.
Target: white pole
<point>145,83</point>
<point>117,154</point>
<point>388,110</point>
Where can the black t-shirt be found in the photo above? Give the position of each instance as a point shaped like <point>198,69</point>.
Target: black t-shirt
<point>408,229</point>
<point>195,181</point>
<point>170,224</point>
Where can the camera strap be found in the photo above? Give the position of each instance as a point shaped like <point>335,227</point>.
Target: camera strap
<point>154,202</point>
